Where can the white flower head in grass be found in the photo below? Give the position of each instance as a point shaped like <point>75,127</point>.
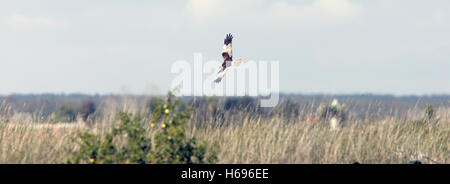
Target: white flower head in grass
<point>335,103</point>
<point>334,123</point>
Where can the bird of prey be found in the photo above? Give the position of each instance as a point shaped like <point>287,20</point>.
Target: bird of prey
<point>227,55</point>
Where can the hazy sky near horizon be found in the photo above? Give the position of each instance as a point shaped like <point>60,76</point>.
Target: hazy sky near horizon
<point>323,46</point>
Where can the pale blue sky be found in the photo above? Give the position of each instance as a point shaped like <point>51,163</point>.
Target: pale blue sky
<point>324,46</point>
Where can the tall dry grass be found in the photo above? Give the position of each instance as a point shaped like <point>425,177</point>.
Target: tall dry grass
<point>272,141</point>
<point>244,137</point>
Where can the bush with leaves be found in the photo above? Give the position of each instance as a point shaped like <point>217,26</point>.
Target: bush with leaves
<point>95,150</point>
<point>152,103</point>
<point>169,145</point>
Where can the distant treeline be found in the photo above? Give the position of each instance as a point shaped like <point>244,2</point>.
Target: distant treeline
<point>357,106</point>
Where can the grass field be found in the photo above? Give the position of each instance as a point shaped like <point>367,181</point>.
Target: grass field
<point>246,137</point>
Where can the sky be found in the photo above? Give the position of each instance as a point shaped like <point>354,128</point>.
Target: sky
<point>397,47</point>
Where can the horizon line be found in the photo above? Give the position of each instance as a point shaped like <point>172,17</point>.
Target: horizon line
<point>281,94</point>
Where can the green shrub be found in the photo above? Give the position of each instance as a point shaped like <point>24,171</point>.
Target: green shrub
<point>152,103</point>
<point>94,150</point>
<point>169,145</point>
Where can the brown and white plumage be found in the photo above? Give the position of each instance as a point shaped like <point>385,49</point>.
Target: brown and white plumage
<point>227,52</point>
<point>227,55</point>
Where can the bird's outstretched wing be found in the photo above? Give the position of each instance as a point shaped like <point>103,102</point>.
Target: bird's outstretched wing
<point>222,73</point>
<point>228,39</point>
<point>227,52</point>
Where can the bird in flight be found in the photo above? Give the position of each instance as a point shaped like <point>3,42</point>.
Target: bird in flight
<point>227,55</point>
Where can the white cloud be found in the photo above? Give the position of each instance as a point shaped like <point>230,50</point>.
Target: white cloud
<point>280,12</point>
<point>22,22</point>
<point>222,8</point>
<point>320,11</point>
<point>439,16</point>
